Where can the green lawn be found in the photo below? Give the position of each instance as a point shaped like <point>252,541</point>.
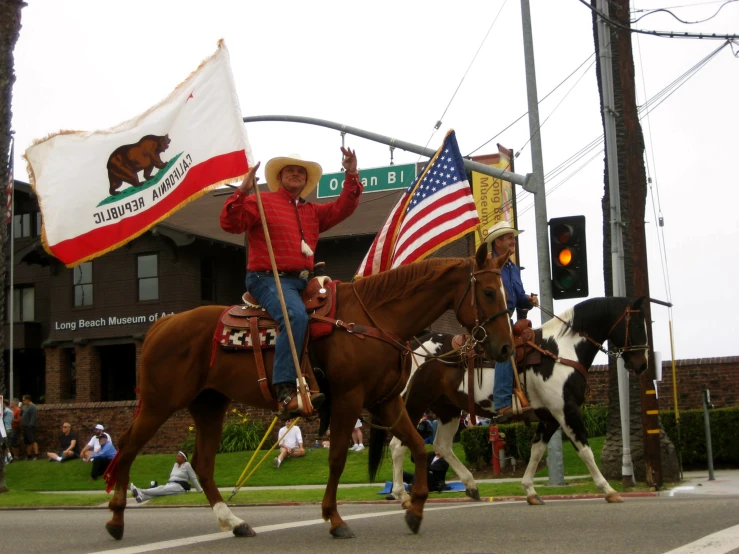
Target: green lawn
<point>25,478</point>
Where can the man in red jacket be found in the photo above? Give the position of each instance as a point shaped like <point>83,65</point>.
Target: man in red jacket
<point>294,226</point>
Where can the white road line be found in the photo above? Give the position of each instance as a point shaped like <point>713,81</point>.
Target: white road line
<point>151,547</point>
<point>717,543</point>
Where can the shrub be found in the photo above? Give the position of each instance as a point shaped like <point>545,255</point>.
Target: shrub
<point>239,434</point>
<point>595,418</point>
<point>476,443</point>
<point>724,423</point>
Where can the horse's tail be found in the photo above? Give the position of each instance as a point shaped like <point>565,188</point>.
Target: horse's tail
<point>377,448</point>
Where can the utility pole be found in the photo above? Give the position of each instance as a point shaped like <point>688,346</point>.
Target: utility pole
<point>617,245</point>
<point>637,190</point>
<point>555,461</point>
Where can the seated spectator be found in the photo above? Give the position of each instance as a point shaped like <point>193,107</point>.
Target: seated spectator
<point>291,443</point>
<point>181,479</point>
<point>437,467</point>
<point>357,438</point>
<point>68,447</point>
<point>425,429</point>
<point>102,458</point>
<point>93,447</point>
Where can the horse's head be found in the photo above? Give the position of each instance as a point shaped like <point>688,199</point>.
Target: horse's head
<point>481,306</point>
<point>629,336</point>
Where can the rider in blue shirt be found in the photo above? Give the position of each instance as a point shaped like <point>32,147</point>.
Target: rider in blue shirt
<point>502,238</point>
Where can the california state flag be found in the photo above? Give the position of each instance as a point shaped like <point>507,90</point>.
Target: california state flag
<point>99,190</point>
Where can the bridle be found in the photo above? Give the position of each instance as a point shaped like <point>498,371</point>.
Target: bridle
<point>614,352</point>
<point>478,334</point>
<point>619,352</point>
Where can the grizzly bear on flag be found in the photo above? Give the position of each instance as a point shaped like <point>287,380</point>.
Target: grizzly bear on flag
<point>126,161</point>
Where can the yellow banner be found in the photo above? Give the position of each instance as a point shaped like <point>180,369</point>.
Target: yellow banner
<point>494,198</point>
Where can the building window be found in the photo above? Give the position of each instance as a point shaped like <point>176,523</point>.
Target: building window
<point>24,300</point>
<point>22,225</point>
<point>207,280</point>
<point>148,274</point>
<point>82,275</point>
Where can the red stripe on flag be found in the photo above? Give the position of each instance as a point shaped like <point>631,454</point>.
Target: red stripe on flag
<point>431,226</point>
<point>439,238</point>
<point>214,170</point>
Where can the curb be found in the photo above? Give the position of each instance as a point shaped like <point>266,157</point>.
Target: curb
<point>484,499</point>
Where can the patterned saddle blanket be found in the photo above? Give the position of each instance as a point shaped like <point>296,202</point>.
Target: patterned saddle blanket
<point>244,326</point>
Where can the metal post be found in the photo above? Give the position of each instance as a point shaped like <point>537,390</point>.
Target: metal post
<point>555,460</point>
<point>11,245</point>
<point>617,249</point>
<point>524,180</point>
<point>707,421</point>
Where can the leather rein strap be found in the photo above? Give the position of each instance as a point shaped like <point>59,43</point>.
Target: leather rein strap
<point>361,331</point>
<point>572,363</point>
<point>259,358</point>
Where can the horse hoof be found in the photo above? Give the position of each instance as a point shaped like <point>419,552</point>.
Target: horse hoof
<point>342,532</point>
<point>244,530</point>
<point>115,531</point>
<point>413,522</point>
<point>614,498</point>
<point>535,500</point>
<point>474,494</point>
<point>406,504</point>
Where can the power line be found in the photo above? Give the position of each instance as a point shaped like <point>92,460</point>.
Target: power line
<point>681,20</point>
<point>540,101</point>
<point>663,34</point>
<point>438,122</point>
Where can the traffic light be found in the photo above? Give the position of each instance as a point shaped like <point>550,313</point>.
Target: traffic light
<point>569,257</point>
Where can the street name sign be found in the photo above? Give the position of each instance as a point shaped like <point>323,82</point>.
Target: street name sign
<point>374,180</point>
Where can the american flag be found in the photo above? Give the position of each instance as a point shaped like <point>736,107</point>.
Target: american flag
<point>9,205</point>
<point>436,209</point>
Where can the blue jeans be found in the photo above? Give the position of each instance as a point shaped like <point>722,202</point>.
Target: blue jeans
<point>263,287</point>
<point>503,385</point>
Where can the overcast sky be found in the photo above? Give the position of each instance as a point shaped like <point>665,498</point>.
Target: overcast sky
<point>393,68</point>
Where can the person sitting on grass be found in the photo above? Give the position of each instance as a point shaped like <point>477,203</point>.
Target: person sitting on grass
<point>437,467</point>
<point>291,443</point>
<point>68,448</point>
<point>101,459</point>
<point>181,479</point>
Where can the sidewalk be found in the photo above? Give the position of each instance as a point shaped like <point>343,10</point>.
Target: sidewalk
<point>696,483</point>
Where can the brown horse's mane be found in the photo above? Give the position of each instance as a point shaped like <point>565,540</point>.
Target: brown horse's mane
<point>394,284</point>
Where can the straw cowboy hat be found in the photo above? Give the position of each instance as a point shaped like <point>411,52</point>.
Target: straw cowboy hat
<point>275,165</point>
<point>499,229</point>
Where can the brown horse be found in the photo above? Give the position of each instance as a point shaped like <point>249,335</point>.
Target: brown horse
<point>361,371</point>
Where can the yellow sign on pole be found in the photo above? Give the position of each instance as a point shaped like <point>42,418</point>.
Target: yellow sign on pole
<point>494,198</point>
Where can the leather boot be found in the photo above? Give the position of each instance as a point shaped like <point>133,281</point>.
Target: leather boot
<point>287,400</point>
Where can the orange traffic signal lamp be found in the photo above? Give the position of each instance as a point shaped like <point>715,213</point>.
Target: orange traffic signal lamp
<point>569,257</point>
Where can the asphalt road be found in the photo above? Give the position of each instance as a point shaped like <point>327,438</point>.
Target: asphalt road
<point>640,525</point>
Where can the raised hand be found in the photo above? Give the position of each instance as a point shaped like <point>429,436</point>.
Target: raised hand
<point>349,161</point>
<point>249,181</point>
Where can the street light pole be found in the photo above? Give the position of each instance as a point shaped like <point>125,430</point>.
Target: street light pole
<point>555,461</point>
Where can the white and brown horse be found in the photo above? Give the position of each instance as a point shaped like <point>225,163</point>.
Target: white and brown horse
<point>555,389</point>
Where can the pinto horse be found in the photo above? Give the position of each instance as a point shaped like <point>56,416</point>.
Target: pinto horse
<point>556,390</point>
<point>179,370</point>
